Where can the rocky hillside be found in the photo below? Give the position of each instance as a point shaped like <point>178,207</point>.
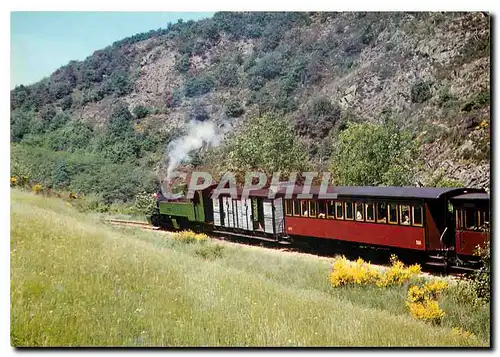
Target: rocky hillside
<point>428,71</point>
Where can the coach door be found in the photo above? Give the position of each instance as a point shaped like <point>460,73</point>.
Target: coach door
<point>257,214</point>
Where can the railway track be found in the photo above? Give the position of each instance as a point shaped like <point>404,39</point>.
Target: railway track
<point>319,251</point>
<point>121,222</point>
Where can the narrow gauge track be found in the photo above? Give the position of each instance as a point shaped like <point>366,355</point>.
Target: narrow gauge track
<point>327,249</point>
<point>120,222</point>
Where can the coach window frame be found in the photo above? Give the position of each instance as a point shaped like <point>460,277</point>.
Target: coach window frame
<point>337,205</point>
<point>367,204</point>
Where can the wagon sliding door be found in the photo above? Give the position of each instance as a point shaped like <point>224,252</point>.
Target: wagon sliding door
<point>245,215</point>
<point>228,211</point>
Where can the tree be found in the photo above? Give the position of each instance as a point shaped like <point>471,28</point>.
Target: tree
<point>371,154</point>
<point>196,86</point>
<point>266,144</point>
<point>120,121</point>
<point>227,75</point>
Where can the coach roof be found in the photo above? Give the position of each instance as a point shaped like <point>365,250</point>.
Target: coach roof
<point>473,196</point>
<point>376,191</point>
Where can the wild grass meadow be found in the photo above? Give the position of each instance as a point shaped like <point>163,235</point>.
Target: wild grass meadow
<point>78,282</point>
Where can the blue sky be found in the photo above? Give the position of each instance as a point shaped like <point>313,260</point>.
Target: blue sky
<point>41,42</point>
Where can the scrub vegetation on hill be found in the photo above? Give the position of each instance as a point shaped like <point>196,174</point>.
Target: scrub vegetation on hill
<point>324,78</point>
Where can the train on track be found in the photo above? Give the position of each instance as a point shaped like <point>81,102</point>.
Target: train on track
<point>442,226</point>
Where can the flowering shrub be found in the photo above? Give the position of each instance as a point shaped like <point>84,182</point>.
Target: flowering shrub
<point>398,274</point>
<point>362,273</point>
<point>422,301</point>
<point>427,310</point>
<point>190,237</point>
<point>37,188</point>
<point>435,288</point>
<point>13,181</point>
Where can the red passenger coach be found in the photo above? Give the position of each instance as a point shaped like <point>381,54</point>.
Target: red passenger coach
<point>472,218</point>
<point>402,217</point>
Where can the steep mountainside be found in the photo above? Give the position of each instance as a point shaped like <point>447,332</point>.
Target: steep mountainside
<point>428,71</point>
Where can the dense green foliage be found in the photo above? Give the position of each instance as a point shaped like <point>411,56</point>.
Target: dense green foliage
<point>371,154</point>
<point>266,144</point>
<point>81,172</point>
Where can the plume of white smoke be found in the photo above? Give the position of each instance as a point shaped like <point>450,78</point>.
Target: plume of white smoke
<point>198,134</point>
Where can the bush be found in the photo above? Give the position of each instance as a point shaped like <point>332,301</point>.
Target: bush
<point>182,64</point>
<point>140,112</point>
<point>145,203</point>
<point>421,92</point>
<point>480,280</point>
<point>200,85</point>
<point>362,273</point>
<point>37,188</point>
<point>427,310</point>
<point>174,99</point>
<point>234,109</point>
<point>398,274</point>
<point>422,301</point>
<point>322,116</point>
<point>227,75</point>
<point>269,66</point>
<point>346,273</point>
<point>256,83</point>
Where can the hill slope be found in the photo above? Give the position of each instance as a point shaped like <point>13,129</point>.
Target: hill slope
<point>77,282</point>
<point>428,71</point>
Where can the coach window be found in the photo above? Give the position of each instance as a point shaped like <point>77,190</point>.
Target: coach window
<point>321,209</point>
<point>381,212</point>
<point>418,216</point>
<point>349,210</point>
<point>339,212</point>
<point>288,207</point>
<point>303,208</point>
<point>312,208</point>
<point>470,216</point>
<point>370,212</point>
<point>404,213</point>
<point>359,211</point>
<point>296,208</point>
<point>392,208</point>
<point>485,217</point>
<point>459,218</point>
<point>331,209</point>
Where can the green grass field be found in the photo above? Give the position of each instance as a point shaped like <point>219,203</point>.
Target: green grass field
<point>78,282</point>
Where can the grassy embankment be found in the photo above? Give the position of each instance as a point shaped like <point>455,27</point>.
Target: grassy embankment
<point>77,282</point>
